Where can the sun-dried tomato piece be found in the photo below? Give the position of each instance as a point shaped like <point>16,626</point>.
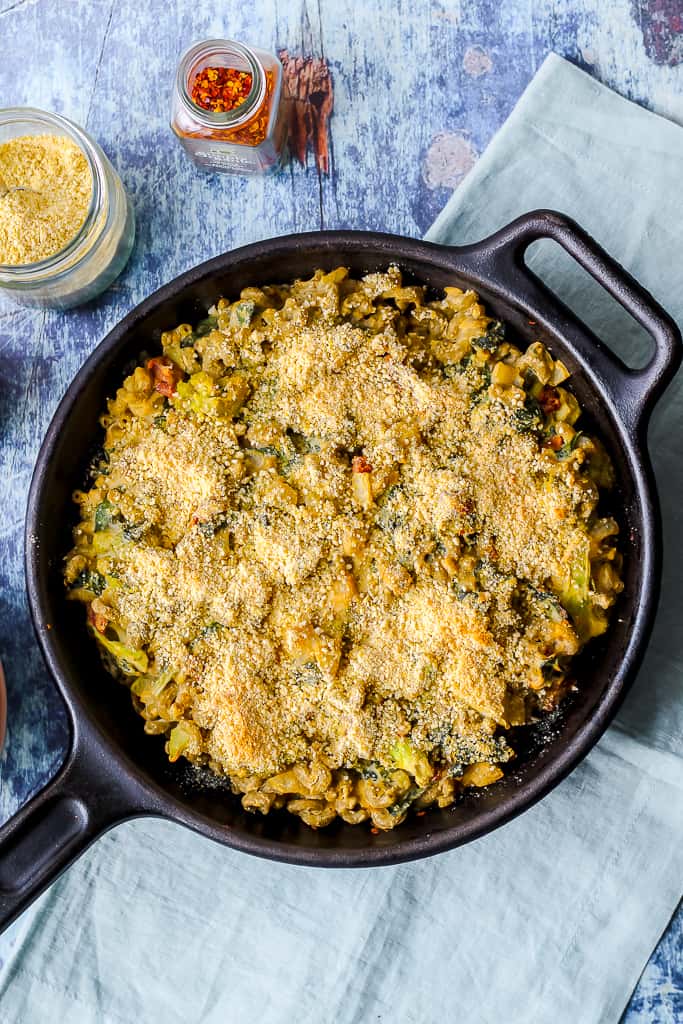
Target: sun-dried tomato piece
<point>555,442</point>
<point>165,375</point>
<point>97,619</point>
<point>549,399</point>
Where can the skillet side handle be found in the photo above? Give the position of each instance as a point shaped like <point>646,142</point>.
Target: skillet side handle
<point>634,392</point>
<point>49,832</point>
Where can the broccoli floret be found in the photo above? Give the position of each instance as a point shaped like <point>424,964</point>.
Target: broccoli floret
<point>413,761</point>
<point>105,514</point>
<point>242,313</point>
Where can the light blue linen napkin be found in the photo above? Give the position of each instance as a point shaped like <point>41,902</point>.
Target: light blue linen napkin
<point>552,917</point>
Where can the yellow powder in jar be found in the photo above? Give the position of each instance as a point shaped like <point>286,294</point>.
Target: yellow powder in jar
<point>45,190</point>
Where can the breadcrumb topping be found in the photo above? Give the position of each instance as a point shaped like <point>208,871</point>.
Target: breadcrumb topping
<point>341,546</point>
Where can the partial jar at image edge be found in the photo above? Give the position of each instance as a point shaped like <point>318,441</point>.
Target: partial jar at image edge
<point>248,139</point>
<point>99,250</point>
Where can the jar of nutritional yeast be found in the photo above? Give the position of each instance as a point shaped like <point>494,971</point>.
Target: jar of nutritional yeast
<point>227,107</point>
<point>66,223</point>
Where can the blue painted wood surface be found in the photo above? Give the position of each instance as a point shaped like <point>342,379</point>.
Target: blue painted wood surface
<point>420,88</point>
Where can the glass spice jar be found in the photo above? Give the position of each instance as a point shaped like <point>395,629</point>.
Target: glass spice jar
<point>98,251</point>
<point>227,107</point>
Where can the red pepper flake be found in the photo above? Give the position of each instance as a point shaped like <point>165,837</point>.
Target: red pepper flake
<point>375,831</point>
<point>220,89</point>
<point>359,464</point>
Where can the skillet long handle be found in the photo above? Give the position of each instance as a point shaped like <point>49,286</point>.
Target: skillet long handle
<point>634,391</point>
<point>56,825</point>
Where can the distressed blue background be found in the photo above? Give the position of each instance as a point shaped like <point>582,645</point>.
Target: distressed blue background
<point>420,88</point>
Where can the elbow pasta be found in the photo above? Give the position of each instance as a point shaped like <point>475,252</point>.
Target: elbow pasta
<point>341,540</point>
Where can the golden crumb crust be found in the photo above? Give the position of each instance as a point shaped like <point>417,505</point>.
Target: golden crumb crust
<point>341,540</point>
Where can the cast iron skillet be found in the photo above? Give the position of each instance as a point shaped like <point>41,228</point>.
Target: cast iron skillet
<point>113,771</point>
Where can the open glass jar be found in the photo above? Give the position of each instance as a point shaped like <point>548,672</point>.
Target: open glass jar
<point>250,137</point>
<point>99,250</point>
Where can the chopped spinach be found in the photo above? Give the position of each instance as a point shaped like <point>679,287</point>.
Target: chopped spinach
<point>204,632</point>
<point>478,392</point>
<point>267,449</point>
<point>204,326</point>
<point>524,420</point>
<point>213,525</point>
<point>492,338</point>
<point>451,369</point>
<point>402,806</point>
<point>302,442</point>
<point>489,575</point>
<point>547,604</point>
<point>552,668</point>
<point>97,466</point>
<point>569,446</point>
<point>391,514</point>
<point>212,627</point>
<point>529,418</point>
<point>308,673</point>
<point>134,531</point>
<point>372,771</point>
<point>462,751</point>
<point>90,580</point>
